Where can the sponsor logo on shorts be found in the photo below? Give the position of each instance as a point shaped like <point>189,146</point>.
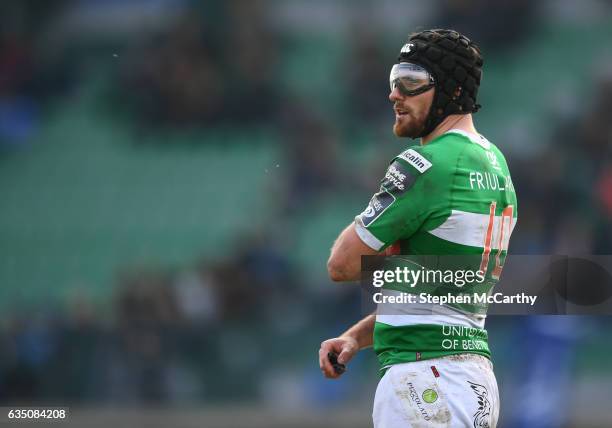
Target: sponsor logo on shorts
<point>414,396</point>
<point>429,396</point>
<point>416,160</point>
<point>482,417</point>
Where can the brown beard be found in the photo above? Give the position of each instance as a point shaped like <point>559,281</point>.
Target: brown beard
<point>410,130</point>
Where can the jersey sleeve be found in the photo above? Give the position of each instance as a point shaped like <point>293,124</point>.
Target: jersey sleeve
<point>401,205</point>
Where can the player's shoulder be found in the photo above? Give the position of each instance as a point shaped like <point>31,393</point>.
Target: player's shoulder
<point>416,158</point>
<point>459,136</point>
<point>455,137</point>
<point>432,158</point>
<point>468,146</point>
<point>443,154</point>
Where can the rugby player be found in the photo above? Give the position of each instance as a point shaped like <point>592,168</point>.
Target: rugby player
<point>451,195</point>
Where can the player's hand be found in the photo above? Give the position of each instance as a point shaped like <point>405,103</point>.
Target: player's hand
<point>344,347</point>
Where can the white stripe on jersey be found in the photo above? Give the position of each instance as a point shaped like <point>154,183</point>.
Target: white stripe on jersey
<point>467,228</point>
<point>437,319</point>
<point>366,236</point>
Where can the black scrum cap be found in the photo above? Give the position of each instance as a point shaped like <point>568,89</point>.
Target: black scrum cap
<point>454,61</point>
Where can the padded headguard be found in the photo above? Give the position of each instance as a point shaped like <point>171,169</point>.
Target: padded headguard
<point>455,62</point>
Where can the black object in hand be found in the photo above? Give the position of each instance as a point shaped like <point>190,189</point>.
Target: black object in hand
<point>333,360</point>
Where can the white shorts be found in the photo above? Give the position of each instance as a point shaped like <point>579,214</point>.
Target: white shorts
<point>456,391</point>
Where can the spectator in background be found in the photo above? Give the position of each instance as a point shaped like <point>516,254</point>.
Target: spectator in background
<point>27,350</point>
<point>577,165</point>
<point>368,80</point>
<point>311,148</point>
<point>176,81</point>
<point>27,78</point>
<point>497,25</point>
<point>603,234</point>
<point>16,63</point>
<point>198,74</point>
<point>18,110</point>
<point>251,62</point>
<point>147,313</point>
<point>79,371</point>
<point>596,130</point>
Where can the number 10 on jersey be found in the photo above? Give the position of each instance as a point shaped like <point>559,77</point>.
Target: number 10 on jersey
<point>501,240</point>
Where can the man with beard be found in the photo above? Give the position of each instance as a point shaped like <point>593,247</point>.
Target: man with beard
<point>450,196</point>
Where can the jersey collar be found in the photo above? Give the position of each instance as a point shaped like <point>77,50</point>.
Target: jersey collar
<point>474,138</point>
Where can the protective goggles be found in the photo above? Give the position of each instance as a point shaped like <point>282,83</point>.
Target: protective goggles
<point>410,79</point>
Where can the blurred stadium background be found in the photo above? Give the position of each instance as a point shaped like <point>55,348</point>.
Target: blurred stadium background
<point>172,174</point>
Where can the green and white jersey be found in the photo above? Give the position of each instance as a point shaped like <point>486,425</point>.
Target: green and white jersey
<point>451,197</point>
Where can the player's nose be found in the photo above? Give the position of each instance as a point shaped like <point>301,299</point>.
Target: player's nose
<point>395,95</point>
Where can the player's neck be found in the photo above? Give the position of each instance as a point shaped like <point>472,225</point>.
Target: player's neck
<point>463,122</point>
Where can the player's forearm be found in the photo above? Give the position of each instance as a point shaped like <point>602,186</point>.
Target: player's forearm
<point>362,332</point>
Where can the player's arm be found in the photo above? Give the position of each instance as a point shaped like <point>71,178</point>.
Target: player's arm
<point>357,337</point>
<point>344,262</point>
<point>397,210</point>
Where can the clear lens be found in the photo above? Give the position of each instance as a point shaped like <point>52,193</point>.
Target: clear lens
<point>409,78</point>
